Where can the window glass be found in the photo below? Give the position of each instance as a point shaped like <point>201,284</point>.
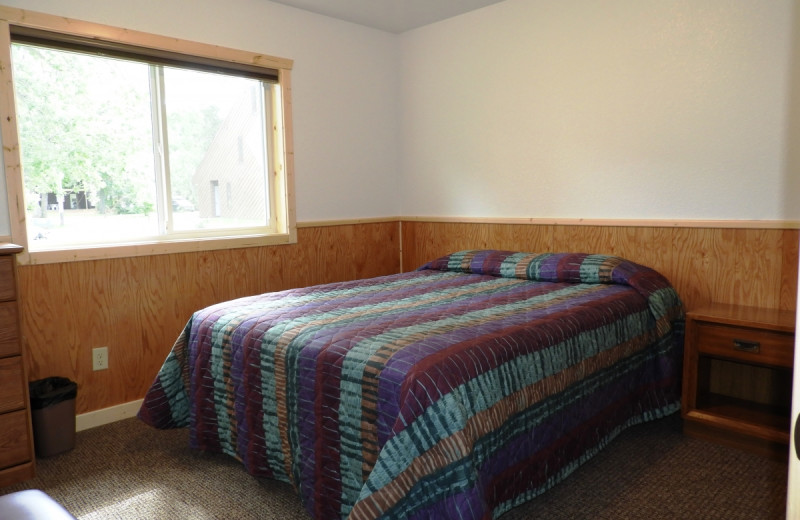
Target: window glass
<point>86,146</point>
<point>120,151</point>
<point>216,136</point>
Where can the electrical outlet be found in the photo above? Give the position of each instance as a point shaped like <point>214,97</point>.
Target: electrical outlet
<point>100,358</point>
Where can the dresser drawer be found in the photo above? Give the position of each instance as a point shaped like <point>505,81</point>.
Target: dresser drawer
<point>746,344</point>
<point>12,391</point>
<point>14,442</point>
<point>9,329</point>
<point>8,289</point>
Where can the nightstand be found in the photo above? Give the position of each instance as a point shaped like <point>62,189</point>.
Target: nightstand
<point>737,377</point>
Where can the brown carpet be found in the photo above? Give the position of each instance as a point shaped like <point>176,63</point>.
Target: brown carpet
<point>129,471</point>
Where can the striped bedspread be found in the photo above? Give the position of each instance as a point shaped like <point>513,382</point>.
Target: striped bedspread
<point>456,391</point>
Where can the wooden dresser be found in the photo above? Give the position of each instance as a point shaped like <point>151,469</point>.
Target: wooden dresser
<point>16,437</point>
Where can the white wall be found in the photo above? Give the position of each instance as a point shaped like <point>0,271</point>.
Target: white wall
<point>345,88</point>
<point>675,109</point>
<point>639,109</point>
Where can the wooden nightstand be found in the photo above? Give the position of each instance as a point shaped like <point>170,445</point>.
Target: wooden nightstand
<point>737,377</point>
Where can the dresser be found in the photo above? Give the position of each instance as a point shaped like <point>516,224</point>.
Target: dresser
<point>16,437</point>
<point>737,377</point>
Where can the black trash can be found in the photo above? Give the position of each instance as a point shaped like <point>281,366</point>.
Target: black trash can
<point>53,415</point>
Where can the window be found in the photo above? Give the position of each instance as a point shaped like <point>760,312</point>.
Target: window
<point>125,153</point>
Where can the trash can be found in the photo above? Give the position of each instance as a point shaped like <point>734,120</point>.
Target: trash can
<point>53,415</point>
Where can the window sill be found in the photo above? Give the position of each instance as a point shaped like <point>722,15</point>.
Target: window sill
<point>105,251</point>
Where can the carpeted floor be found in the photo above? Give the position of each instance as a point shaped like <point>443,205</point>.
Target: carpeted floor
<point>127,470</point>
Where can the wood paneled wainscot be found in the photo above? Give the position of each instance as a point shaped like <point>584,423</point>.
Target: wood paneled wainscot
<point>137,306</point>
<point>16,438</point>
<point>752,266</point>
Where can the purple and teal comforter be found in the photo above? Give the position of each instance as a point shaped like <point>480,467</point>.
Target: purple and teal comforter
<point>459,390</point>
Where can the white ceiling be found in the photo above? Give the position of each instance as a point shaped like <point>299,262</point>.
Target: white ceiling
<point>389,15</point>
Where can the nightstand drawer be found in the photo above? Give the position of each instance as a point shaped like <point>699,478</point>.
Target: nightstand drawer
<point>746,344</point>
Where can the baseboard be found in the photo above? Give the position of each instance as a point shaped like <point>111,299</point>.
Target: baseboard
<point>108,415</point>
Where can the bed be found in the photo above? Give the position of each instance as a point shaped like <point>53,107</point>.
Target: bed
<point>459,390</point>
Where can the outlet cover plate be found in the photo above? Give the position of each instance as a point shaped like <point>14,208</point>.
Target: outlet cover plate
<point>100,358</point>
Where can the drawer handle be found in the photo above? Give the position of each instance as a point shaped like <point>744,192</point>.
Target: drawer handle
<point>747,346</point>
